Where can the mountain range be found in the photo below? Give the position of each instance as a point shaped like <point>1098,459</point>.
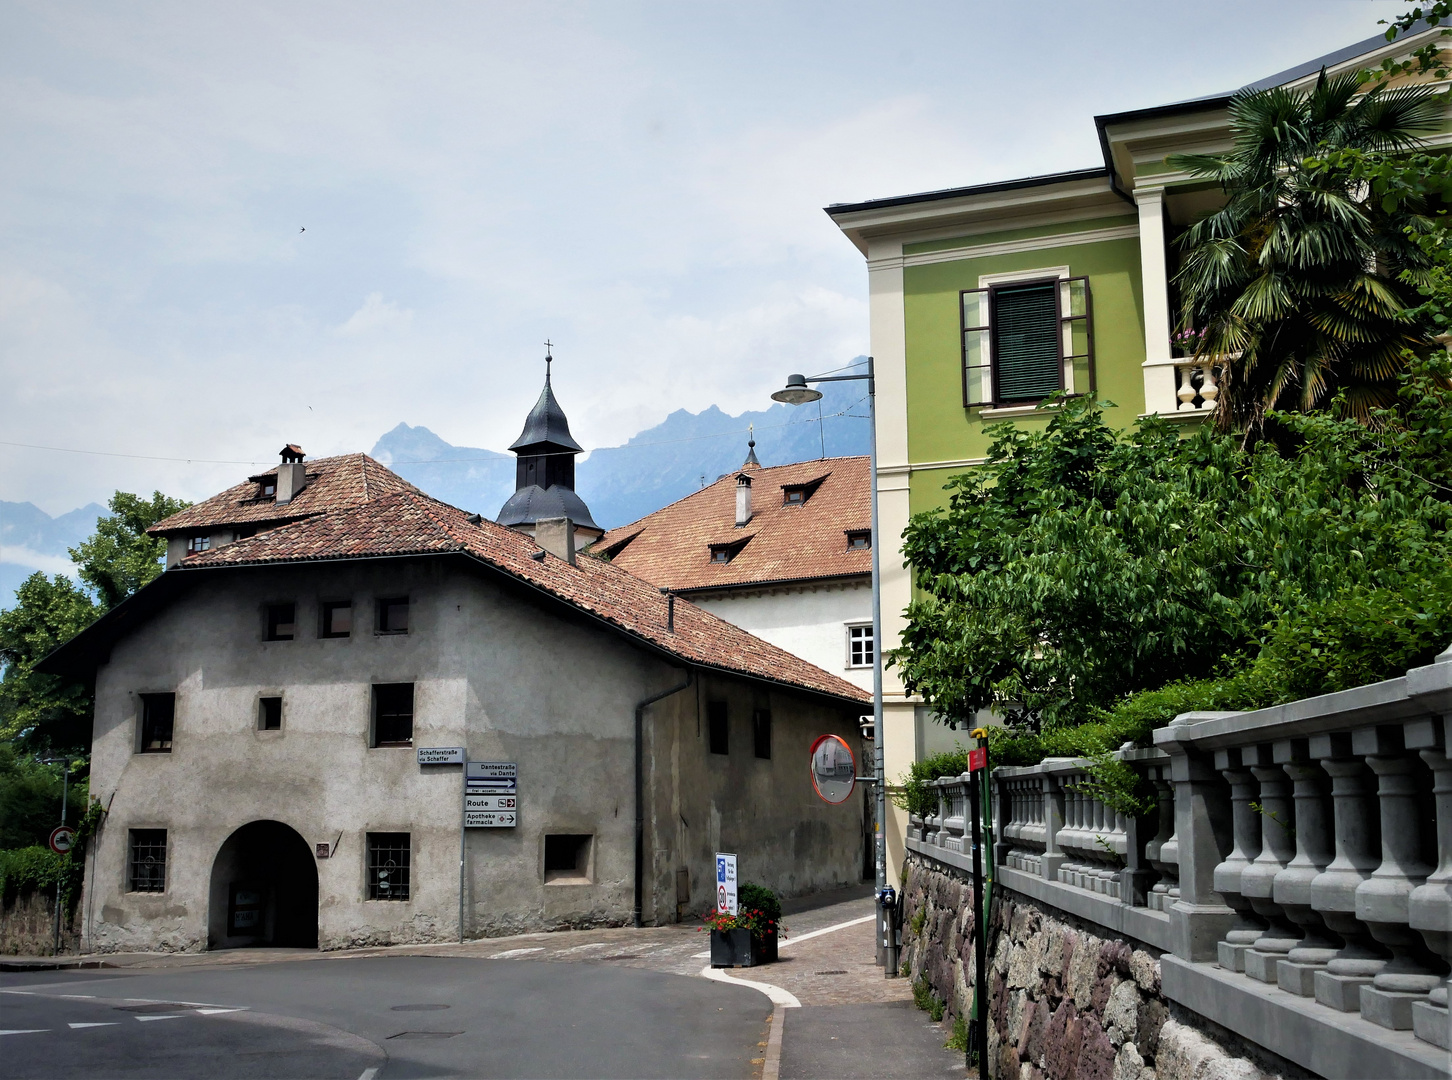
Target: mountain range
<point>619,483</point>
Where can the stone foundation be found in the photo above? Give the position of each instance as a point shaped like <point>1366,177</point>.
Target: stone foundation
<point>1065,1003</point>
<point>27,926</point>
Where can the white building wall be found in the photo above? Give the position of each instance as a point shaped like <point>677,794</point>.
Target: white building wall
<point>810,621</point>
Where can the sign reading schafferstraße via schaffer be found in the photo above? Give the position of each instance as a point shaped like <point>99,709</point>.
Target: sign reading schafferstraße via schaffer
<point>441,755</point>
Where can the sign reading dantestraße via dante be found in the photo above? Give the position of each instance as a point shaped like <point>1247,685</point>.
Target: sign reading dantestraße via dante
<point>441,755</point>
<point>491,777</point>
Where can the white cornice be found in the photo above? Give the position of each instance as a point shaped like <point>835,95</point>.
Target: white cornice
<point>1009,247</point>
<point>924,466</point>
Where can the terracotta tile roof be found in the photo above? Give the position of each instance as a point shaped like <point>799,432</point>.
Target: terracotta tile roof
<point>334,483</point>
<point>672,547</point>
<point>409,522</point>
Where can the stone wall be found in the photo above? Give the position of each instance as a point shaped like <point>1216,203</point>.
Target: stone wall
<point>1065,1002</point>
<point>27,926</point>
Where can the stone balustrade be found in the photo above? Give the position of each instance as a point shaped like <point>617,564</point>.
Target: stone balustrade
<point>1296,868</point>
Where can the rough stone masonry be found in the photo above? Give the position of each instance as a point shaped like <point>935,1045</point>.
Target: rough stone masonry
<point>1065,1003</point>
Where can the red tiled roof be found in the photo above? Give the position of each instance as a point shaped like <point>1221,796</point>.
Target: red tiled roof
<point>409,522</point>
<point>334,483</point>
<point>672,547</point>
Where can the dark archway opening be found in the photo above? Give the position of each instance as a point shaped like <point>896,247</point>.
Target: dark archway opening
<point>264,889</point>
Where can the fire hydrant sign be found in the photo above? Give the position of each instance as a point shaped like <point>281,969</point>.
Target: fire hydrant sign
<point>726,883</point>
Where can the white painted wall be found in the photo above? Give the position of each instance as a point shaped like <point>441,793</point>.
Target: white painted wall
<point>808,620</point>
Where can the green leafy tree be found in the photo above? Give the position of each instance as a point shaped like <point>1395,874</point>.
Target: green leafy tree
<point>1294,284</point>
<point>119,557</point>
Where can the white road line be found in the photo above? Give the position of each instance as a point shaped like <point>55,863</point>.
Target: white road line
<point>826,930</point>
<point>108,1023</point>
<point>368,1074</point>
<point>27,993</point>
<point>77,996</point>
<point>214,1012</point>
<point>169,1016</point>
<point>771,1067</point>
<point>701,955</point>
<point>516,952</point>
<point>778,996</point>
<point>24,1031</point>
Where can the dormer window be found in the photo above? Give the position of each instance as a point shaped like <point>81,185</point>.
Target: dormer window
<point>198,543</point>
<point>859,539</point>
<point>269,486</point>
<point>724,553</point>
<point>798,494</point>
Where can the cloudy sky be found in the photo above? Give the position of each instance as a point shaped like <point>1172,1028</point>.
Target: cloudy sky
<point>640,183</point>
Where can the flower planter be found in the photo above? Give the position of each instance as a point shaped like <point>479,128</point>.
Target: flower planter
<point>741,948</point>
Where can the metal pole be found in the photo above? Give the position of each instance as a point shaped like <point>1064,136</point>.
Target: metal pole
<point>65,791</point>
<point>878,763</point>
<point>464,780</point>
<point>978,1042</point>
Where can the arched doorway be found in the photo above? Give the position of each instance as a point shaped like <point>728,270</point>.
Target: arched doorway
<point>264,889</point>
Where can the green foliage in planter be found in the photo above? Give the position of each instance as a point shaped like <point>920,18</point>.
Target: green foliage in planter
<point>759,898</point>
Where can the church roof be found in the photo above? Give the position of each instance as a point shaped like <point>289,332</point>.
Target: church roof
<point>546,424</point>
<point>408,522</point>
<point>783,541</point>
<point>333,483</point>
<point>534,503</point>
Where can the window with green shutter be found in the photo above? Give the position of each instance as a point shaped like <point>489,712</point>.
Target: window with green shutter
<point>1025,340</point>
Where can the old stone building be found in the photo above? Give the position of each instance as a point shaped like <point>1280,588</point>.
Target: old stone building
<point>259,708</point>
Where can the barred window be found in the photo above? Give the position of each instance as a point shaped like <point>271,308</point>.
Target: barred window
<point>393,714</point>
<point>158,718</point>
<point>859,646</point>
<point>388,864</point>
<point>146,861</point>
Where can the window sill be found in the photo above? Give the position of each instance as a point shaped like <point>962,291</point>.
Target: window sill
<point>556,878</point>
<point>1002,412</point>
<point>390,633</point>
<point>392,746</point>
<point>144,750</point>
<point>335,637</point>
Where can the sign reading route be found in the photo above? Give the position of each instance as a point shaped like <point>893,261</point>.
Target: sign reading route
<point>62,839</point>
<point>490,802</point>
<point>726,883</point>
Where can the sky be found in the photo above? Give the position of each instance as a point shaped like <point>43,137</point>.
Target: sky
<point>228,226</point>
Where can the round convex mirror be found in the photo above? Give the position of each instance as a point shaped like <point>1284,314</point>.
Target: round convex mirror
<point>834,769</point>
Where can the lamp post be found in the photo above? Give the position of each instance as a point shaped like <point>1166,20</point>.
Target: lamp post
<point>65,764</point>
<point>797,392</point>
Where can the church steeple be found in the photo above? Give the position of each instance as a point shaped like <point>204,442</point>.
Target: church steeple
<point>544,479</point>
<point>750,448</point>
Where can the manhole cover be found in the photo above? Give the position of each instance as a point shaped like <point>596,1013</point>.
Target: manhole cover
<point>425,1034</point>
<point>418,1008</point>
<point>831,973</point>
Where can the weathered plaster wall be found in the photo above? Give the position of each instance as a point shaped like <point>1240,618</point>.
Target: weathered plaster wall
<point>809,621</point>
<point>1066,1003</point>
<point>495,671</point>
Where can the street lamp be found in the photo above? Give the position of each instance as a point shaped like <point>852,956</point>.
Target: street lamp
<point>797,392</point>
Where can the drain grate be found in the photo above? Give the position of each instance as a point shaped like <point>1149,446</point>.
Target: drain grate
<point>425,1034</point>
<point>830,973</point>
<point>417,1008</point>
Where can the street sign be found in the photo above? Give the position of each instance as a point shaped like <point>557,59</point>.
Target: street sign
<point>441,755</point>
<point>726,883</point>
<point>490,802</point>
<point>62,839</point>
<point>490,819</point>
<point>834,769</point>
<point>491,770</point>
<point>496,787</point>
<point>978,759</point>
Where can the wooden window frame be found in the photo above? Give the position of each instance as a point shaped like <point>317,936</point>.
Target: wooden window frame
<point>988,303</point>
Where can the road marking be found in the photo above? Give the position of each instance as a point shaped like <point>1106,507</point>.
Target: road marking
<point>27,993</point>
<point>771,1067</point>
<point>516,952</point>
<point>169,1016</point>
<point>701,955</point>
<point>214,1012</point>
<point>778,996</point>
<point>109,1023</point>
<point>78,996</point>
<point>826,930</point>
<point>368,1074</point>
<point>582,948</point>
<point>24,1031</point>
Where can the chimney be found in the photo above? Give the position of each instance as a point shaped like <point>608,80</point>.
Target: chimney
<point>292,474</point>
<point>557,536</point>
<point>743,500</point>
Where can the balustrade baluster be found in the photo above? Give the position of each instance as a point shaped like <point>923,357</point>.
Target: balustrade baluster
<point>1053,803</point>
<point>1382,900</point>
<point>1163,851</point>
<point>1292,888</point>
<point>1430,905</point>
<point>1247,926</point>
<point>1277,848</point>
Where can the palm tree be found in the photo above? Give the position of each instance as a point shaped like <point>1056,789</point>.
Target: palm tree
<point>1292,284</point>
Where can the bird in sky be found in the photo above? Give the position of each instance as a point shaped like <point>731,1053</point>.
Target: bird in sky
<point>303,229</point>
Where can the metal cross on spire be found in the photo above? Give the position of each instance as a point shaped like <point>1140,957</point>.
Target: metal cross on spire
<point>549,358</point>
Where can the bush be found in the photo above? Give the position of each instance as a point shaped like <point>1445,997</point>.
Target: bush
<point>26,870</point>
<point>915,796</point>
<point>749,895</point>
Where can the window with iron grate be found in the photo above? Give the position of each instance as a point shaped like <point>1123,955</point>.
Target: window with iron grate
<point>146,860</point>
<point>388,865</point>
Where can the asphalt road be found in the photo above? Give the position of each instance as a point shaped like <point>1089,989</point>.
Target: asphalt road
<point>403,1016</point>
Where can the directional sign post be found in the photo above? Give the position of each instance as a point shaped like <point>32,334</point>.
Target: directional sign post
<point>491,798</point>
<point>726,883</point>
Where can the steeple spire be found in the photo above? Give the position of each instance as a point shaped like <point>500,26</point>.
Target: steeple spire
<point>750,448</point>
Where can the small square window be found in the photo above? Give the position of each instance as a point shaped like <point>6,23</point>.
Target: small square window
<point>198,543</point>
<point>269,713</point>
<point>718,729</point>
<point>337,618</point>
<point>158,717</point>
<point>794,496</point>
<point>281,622</point>
<point>269,487</point>
<point>388,866</point>
<point>721,554</point>
<point>393,615</point>
<point>761,733</point>
<point>859,540</point>
<point>146,861</point>
<point>859,646</point>
<point>393,714</point>
<point>567,859</point>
